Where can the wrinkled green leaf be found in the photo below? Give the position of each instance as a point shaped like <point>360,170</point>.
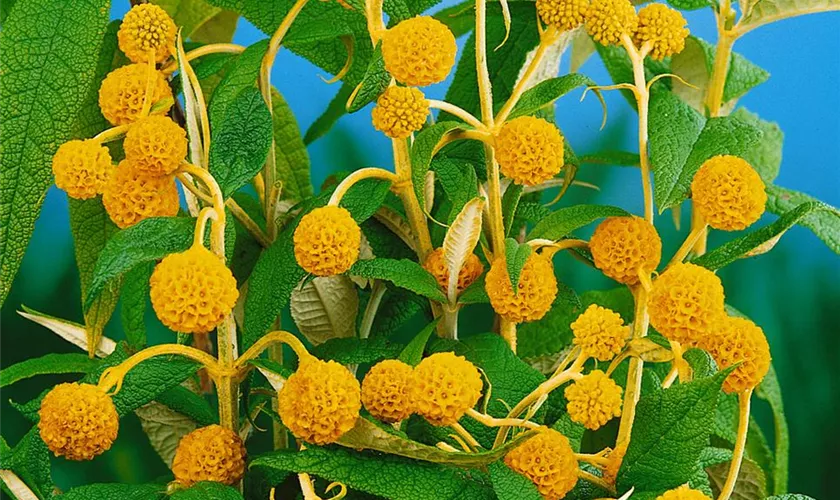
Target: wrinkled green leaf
<point>546,92</point>
<point>47,364</point>
<point>510,485</point>
<point>563,221</point>
<point>30,460</point>
<point>458,179</point>
<point>516,254</point>
<point>825,223</point>
<point>115,492</point>
<point>133,300</point>
<point>356,351</point>
<point>413,352</point>
<point>375,81</point>
<point>750,484</point>
<point>403,273</point>
<point>207,490</point>
<point>243,74</point>
<point>335,110</point>
<point>422,151</point>
<point>766,157</point>
<point>553,332</point>
<point>291,160</point>
<point>770,391</point>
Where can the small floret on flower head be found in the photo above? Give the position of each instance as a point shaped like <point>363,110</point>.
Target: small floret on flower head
<point>399,111</point>
<point>156,145</point>
<point>78,421</point>
<point>445,386</point>
<point>211,453</point>
<point>535,291</point>
<point>419,51</point>
<point>320,401</point>
<point>470,271</point>
<point>728,193</point>
<point>123,90</point>
<point>529,150</point>
<point>685,302</point>
<point>664,28</point>
<point>624,247</point>
<point>82,168</point>
<point>607,20</point>
<point>192,291</point>
<point>683,493</point>
<point>386,390</point>
<point>327,241</point>
<point>131,196</point>
<point>600,332</point>
<point>565,15</point>
<point>593,400</point>
<point>147,28</point>
<point>738,340</point>
<point>547,459</point>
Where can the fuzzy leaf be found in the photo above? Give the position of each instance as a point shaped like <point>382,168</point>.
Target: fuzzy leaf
<point>458,179</point>
<point>164,428</point>
<point>325,308</point>
<point>403,273</point>
<point>824,223</point>
<point>770,391</point>
<point>516,254</point>
<point>750,484</point>
<point>768,11</point>
<point>290,156</point>
<point>510,485</point>
<point>335,110</point>
<point>243,74</point>
<point>552,333</point>
<point>375,81</point>
<point>460,241</point>
<point>69,331</point>
<point>207,490</point>
<point>133,299</point>
<point>30,460</point>
<point>562,222</point>
<point>356,351</point>
<point>115,492</point>
<point>766,157</point>
<point>689,4</point>
<point>548,91</point>
<point>47,364</point>
<point>422,151</point>
<point>412,354</point>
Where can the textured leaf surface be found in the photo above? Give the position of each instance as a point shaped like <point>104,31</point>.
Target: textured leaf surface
<point>460,241</point>
<point>242,75</point>
<point>510,485</point>
<point>115,492</point>
<point>207,490</point>
<point>422,151</point>
<point>553,332</point>
<point>68,330</point>
<point>516,254</point>
<point>412,354</point>
<point>766,157</point>
<point>750,484</point>
<point>47,364</point>
<point>374,82</point>
<point>825,223</point>
<point>325,308</point>
<point>403,273</point>
<point>133,300</point>
<point>563,221</point>
<point>768,11</point>
<point>770,391</point>
<point>458,179</point>
<point>290,156</point>
<point>356,351</point>
<point>546,92</point>
<point>30,460</point>
<point>164,428</point>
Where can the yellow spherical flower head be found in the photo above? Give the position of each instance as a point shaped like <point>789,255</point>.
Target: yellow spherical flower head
<point>470,271</point>
<point>156,145</point>
<point>535,291</point>
<point>622,247</point>
<point>327,241</point>
<point>419,51</point>
<point>548,460</point>
<point>147,28</point>
<point>123,90</point>
<point>663,27</point>
<point>607,20</point>
<point>593,400</point>
<point>683,493</point>
<point>399,111</point>
<point>320,401</point>
<point>684,303</point>
<point>600,332</point>
<point>131,196</point>
<point>565,15</point>
<point>738,340</point>
<point>529,150</point>
<point>445,386</point>
<point>78,421</point>
<point>193,291</point>
<point>210,453</point>
<point>728,193</point>
<point>386,390</point>
<point>82,168</point>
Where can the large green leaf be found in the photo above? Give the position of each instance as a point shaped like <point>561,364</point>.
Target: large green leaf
<point>30,460</point>
<point>563,221</point>
<point>824,223</point>
<point>133,300</point>
<point>47,364</point>
<point>184,401</point>
<point>458,179</point>
<point>115,492</point>
<point>356,351</point>
<point>412,354</point>
<point>50,50</point>
<point>770,391</point>
<point>242,75</point>
<point>553,332</point>
<point>766,157</point>
<point>547,91</point>
<point>335,110</point>
<point>403,273</point>
<point>422,151</point>
<point>375,81</point>
<point>510,485</point>
<point>291,160</point>
<point>761,12</point>
<point>199,20</point>
<point>205,490</point>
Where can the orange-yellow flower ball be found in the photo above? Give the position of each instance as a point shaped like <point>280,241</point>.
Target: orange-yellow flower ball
<point>320,401</point>
<point>728,193</point>
<point>193,291</point>
<point>593,400</point>
<point>147,28</point>
<point>419,51</point>
<point>600,332</point>
<point>663,27</point>
<point>607,20</point>
<point>156,145</point>
<point>211,453</point>
<point>563,14</point>
<point>738,340</point>
<point>535,291</point>
<point>82,168</point>
<point>327,241</point>
<point>122,92</point>
<point>386,390</point>
<point>445,386</point>
<point>684,303</point>
<point>623,247</point>
<point>399,111</point>
<point>529,150</point>
<point>548,460</point>
<point>78,421</point>
<point>470,271</point>
<point>683,493</point>
<point>131,196</point>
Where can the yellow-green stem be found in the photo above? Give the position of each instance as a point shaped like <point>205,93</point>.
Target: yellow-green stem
<point>637,57</point>
<point>405,190</point>
<point>211,48</point>
<point>362,173</point>
<point>697,233</point>
<point>740,445</point>
<point>634,371</point>
<point>281,437</point>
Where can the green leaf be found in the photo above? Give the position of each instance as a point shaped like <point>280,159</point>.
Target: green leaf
<point>766,158</point>
<point>241,141</point>
<point>375,81</point>
<point>789,496</point>
<point>356,351</point>
<point>825,223</point>
<point>553,332</point>
<point>475,293</point>
<point>335,110</point>
<point>510,485</point>
<point>510,202</point>
<point>30,460</point>
<point>133,300</point>
<point>89,120</point>
<point>47,364</point>
<point>404,273</point>
<point>701,362</point>
<point>184,401</point>
<point>768,11</point>
<point>198,19</point>
<point>290,156</point>
<point>548,91</point>
<point>422,151</point>
<point>242,75</point>
<point>206,490</point>
<point>689,4</point>
<point>563,221</point>
<point>620,158</point>
<point>115,492</point>
<point>618,299</point>
<point>413,352</point>
<point>458,179</point>
<point>750,484</point>
<point>572,430</point>
<point>770,391</point>
<point>50,50</point>
<point>383,475</point>
<point>399,10</point>
<point>516,254</point>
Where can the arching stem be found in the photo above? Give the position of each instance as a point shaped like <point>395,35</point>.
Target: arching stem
<point>358,175</point>
<point>740,445</point>
<point>112,378</point>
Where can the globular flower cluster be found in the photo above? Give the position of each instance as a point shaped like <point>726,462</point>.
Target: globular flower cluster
<point>156,145</point>
<point>684,492</point>
<point>147,30</point>
<point>78,421</point>
<point>419,51</point>
<point>529,150</point>
<point>662,27</point>
<point>734,340</point>
<point>548,460</point>
<point>445,386</point>
<point>131,195</point>
<point>624,247</point>
<point>192,291</point>
<point>534,293</point>
<point>565,15</point>
<point>600,332</point>
<point>211,453</point>
<point>593,400</point>
<point>400,111</point>
<point>122,93</point>
<point>386,391</point>
<point>608,20</point>
<point>685,302</point>
<point>470,271</point>
<point>320,401</point>
<point>327,241</point>
<point>82,168</point>
<point>728,193</point>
